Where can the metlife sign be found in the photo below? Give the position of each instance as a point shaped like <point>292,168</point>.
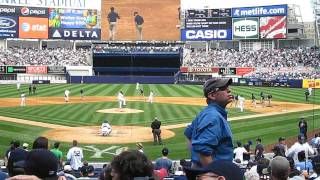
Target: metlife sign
<point>8,27</point>
<point>205,34</point>
<point>75,34</point>
<point>245,28</point>
<point>259,11</point>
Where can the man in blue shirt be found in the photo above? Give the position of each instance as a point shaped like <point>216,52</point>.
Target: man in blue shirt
<point>164,161</point>
<point>139,24</point>
<point>210,134</point>
<point>112,19</point>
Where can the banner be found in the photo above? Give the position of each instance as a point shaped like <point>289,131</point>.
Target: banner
<point>31,27</point>
<point>209,23</point>
<point>273,27</point>
<point>205,13</point>
<point>245,28</point>
<point>8,10</point>
<point>8,27</point>
<point>73,18</point>
<point>33,12</point>
<point>3,69</point>
<point>240,71</point>
<point>76,4</point>
<point>258,11</point>
<point>16,69</point>
<point>199,70</point>
<point>75,34</point>
<point>227,71</point>
<point>313,83</point>
<point>56,70</point>
<point>36,69</point>
<point>205,34</point>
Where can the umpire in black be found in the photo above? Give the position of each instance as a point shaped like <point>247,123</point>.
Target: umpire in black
<point>155,125</point>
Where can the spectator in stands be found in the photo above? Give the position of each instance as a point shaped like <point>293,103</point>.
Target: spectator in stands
<point>112,19</point>
<point>279,168</point>
<point>16,155</point>
<point>316,168</point>
<point>131,164</point>
<point>139,24</point>
<point>293,171</point>
<point>218,169</point>
<point>281,148</point>
<point>259,150</point>
<point>315,141</point>
<point>303,127</point>
<point>56,151</point>
<point>40,143</point>
<point>303,164</point>
<point>239,152</point>
<point>301,145</point>
<point>13,144</point>
<point>246,157</point>
<point>75,156</point>
<point>211,126</point>
<point>164,161</point>
<point>86,170</point>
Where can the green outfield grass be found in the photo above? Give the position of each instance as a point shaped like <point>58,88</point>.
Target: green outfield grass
<point>83,114</point>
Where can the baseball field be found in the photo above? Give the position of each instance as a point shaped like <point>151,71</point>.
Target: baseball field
<point>46,114</point>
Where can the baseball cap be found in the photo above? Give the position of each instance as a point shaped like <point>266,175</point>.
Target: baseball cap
<point>280,165</point>
<point>281,139</point>
<point>211,84</point>
<point>165,151</point>
<point>41,163</point>
<point>223,168</point>
<point>25,145</point>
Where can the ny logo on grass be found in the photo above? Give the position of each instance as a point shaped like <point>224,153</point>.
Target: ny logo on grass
<point>113,150</point>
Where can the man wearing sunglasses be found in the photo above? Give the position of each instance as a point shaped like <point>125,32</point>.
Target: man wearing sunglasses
<point>209,134</point>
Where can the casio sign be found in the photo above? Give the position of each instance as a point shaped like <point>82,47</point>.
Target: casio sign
<point>7,23</point>
<point>245,28</point>
<point>207,34</point>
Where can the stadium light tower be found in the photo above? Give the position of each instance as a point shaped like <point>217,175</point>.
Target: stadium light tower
<point>316,13</point>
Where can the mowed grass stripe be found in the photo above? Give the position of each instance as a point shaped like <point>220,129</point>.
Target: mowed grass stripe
<point>182,91</point>
<point>194,91</point>
<point>162,90</point>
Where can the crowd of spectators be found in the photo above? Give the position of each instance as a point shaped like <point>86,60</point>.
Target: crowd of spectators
<point>48,57</point>
<point>267,62</point>
<point>131,48</point>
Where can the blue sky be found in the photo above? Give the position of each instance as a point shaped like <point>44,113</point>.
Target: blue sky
<point>305,5</point>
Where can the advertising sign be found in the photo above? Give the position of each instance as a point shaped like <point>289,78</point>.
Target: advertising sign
<point>245,28</point>
<point>227,71</point>
<point>258,11</point>
<point>8,27</point>
<point>215,23</point>
<point>75,34</point>
<point>36,69</point>
<point>3,69</point>
<point>8,10</point>
<point>199,70</point>
<point>16,69</point>
<point>73,18</point>
<point>273,27</point>
<point>205,13</point>
<point>33,12</point>
<point>76,4</point>
<point>244,70</point>
<point>313,83</point>
<point>31,27</point>
<point>205,34</point>
<point>56,70</point>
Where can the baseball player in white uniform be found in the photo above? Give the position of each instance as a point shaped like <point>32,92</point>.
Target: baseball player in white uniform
<point>150,99</point>
<point>137,86</point>
<point>310,91</point>
<point>23,99</point>
<point>66,95</point>
<point>121,99</point>
<point>18,86</point>
<point>241,103</point>
<point>106,128</point>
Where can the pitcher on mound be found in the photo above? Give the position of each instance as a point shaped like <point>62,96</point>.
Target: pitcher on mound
<point>122,100</point>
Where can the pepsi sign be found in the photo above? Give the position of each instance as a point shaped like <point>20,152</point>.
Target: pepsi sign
<point>8,27</point>
<point>33,12</point>
<point>205,34</point>
<point>8,10</point>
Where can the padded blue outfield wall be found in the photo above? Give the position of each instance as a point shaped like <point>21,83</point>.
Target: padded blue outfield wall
<point>122,79</point>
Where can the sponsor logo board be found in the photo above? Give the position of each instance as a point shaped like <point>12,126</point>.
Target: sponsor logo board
<point>8,27</point>
<point>56,70</point>
<point>313,83</point>
<point>3,69</point>
<point>75,34</point>
<point>199,70</point>
<point>36,69</point>
<point>31,27</point>
<point>244,70</point>
<point>245,28</point>
<point>258,11</point>
<point>16,69</point>
<point>73,18</point>
<point>209,23</point>
<point>8,11</point>
<point>274,27</point>
<point>33,12</point>
<point>205,34</point>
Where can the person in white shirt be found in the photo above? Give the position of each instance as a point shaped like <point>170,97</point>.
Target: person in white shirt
<point>150,99</point>
<point>75,156</point>
<point>239,151</point>
<point>310,91</point>
<point>241,103</point>
<point>121,99</point>
<point>23,99</point>
<point>18,86</point>
<point>301,145</point>
<point>106,128</point>
<point>137,86</point>
<point>66,95</point>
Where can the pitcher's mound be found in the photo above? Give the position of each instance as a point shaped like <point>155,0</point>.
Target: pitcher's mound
<point>119,111</point>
